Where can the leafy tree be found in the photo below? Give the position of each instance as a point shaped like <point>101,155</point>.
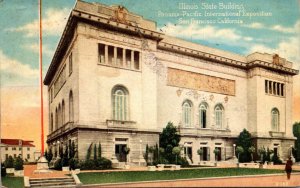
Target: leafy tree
<point>18,163</point>
<point>72,150</point>
<point>155,154</point>
<point>147,154</point>
<point>9,162</point>
<point>262,153</point>
<point>216,152</point>
<point>168,139</point>
<point>239,150</point>
<point>251,150</point>
<point>200,152</point>
<point>244,140</point>
<point>176,151</point>
<point>65,158</point>
<point>296,132</point>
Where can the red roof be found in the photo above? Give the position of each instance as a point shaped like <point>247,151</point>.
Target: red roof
<point>17,142</point>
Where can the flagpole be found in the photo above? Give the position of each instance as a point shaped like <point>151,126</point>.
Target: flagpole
<point>41,77</point>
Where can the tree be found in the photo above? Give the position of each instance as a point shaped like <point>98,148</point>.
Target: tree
<point>156,154</point>
<point>251,150</point>
<point>18,163</point>
<point>296,132</point>
<point>262,153</point>
<point>99,151</point>
<point>126,152</point>
<point>200,152</point>
<point>239,150</point>
<point>72,150</point>
<point>216,152</point>
<point>168,139</point>
<point>176,151</point>
<point>95,152</point>
<point>88,153</point>
<point>9,162</point>
<point>147,154</point>
<point>244,140</point>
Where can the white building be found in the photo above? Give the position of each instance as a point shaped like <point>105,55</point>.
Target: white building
<point>116,80</point>
<point>16,148</point>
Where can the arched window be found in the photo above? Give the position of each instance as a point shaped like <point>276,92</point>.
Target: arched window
<point>51,123</point>
<point>63,112</point>
<point>187,114</point>
<point>275,119</point>
<point>59,115</point>
<point>56,119</point>
<point>219,113</point>
<point>120,103</point>
<point>71,107</point>
<point>203,115</point>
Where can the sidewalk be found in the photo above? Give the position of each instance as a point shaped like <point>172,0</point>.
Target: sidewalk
<point>29,171</point>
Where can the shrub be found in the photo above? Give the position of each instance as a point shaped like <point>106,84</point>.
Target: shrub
<point>3,170</point>
<point>88,165</point>
<point>182,161</point>
<point>276,159</point>
<point>9,162</point>
<point>74,164</point>
<point>18,164</point>
<point>58,164</point>
<point>103,163</point>
<point>245,141</point>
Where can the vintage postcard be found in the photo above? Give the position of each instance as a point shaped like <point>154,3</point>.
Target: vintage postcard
<point>165,93</point>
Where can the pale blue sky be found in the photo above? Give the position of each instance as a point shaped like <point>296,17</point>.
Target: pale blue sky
<point>19,35</point>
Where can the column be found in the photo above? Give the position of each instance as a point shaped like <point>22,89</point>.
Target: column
<point>124,58</point>
<point>279,89</point>
<point>106,54</point>
<point>132,60</point>
<point>115,56</point>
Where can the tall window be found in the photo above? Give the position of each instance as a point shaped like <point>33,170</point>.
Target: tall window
<point>63,112</point>
<point>56,119</point>
<point>202,115</point>
<point>71,107</point>
<point>187,113</point>
<point>51,122</point>
<point>120,106</point>
<point>59,115</point>
<point>275,119</point>
<point>219,112</point>
<point>70,63</point>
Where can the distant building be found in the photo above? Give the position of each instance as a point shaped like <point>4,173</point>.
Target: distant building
<point>17,147</point>
<point>116,79</point>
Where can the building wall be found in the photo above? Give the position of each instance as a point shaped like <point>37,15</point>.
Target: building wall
<point>17,152</point>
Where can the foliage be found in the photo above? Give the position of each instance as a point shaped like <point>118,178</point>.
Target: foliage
<point>18,163</point>
<point>239,151</point>
<point>276,159</point>
<point>99,151</point>
<point>176,151</point>
<point>95,152</point>
<point>244,140</point>
<point>98,164</point>
<point>156,154</point>
<point>74,163</point>
<point>200,151</point>
<point>65,158</point>
<point>49,155</point>
<point>251,150</point>
<point>3,170</point>
<point>168,139</point>
<point>58,164</point>
<point>88,153</point>
<point>146,156</point>
<point>72,150</point>
<point>126,152</point>
<point>9,162</point>
<point>135,176</point>
<point>267,155</point>
<point>296,132</point>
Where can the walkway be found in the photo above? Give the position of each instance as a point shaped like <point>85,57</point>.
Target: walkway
<point>29,171</point>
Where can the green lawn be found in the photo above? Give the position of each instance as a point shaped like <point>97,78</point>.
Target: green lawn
<point>115,177</point>
<point>13,182</point>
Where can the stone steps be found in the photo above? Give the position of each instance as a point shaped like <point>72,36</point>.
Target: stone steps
<point>52,182</point>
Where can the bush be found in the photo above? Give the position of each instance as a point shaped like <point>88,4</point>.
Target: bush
<point>103,163</point>
<point>18,164</point>
<point>88,165</point>
<point>276,159</point>
<point>74,164</point>
<point>3,170</point>
<point>182,161</point>
<point>9,162</point>
<point>58,164</point>
<point>98,164</point>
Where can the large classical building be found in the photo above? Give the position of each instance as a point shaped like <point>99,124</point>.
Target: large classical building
<point>115,79</point>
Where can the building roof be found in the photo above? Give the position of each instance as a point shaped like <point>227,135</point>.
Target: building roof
<point>17,142</point>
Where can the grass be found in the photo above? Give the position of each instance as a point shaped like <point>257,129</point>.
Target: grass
<point>13,182</point>
<point>134,176</point>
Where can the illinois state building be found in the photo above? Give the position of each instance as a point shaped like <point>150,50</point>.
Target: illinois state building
<point>116,80</point>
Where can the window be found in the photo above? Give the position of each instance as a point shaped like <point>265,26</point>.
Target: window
<point>136,60</point>
<point>6,156</point>
<point>59,115</point>
<point>71,107</point>
<point>56,119</point>
<point>6,148</point>
<point>119,61</point>
<point>187,113</point>
<point>28,149</point>
<point>28,156</point>
<point>63,113</point>
<point>101,51</point>
<point>51,122</point>
<point>274,88</point>
<point>120,105</point>
<point>111,59</point>
<point>202,115</point>
<point>20,149</point>
<point>70,63</point>
<point>219,116</point>
<point>275,119</point>
<point>15,155</point>
<point>14,148</point>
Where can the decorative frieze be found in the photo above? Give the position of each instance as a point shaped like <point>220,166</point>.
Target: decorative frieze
<point>197,81</point>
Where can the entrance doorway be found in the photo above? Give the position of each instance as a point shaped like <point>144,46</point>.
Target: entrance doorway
<point>218,155</point>
<point>205,155</point>
<point>120,152</point>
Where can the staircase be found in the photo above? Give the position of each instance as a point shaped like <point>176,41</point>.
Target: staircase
<point>52,182</point>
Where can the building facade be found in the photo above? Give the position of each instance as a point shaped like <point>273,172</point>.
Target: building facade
<point>16,148</point>
<point>116,80</point>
